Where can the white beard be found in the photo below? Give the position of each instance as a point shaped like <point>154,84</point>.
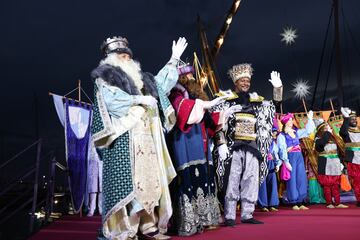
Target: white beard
<point>130,67</point>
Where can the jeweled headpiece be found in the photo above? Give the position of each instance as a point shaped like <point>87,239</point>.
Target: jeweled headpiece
<point>116,44</point>
<point>185,68</point>
<point>240,71</point>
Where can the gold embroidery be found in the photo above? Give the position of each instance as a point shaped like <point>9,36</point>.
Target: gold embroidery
<point>245,126</point>
<point>354,130</point>
<point>352,144</point>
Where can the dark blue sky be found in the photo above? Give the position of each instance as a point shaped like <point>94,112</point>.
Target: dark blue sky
<point>49,45</point>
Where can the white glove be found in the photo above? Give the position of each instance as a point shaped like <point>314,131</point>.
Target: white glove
<point>178,48</point>
<point>223,151</point>
<point>277,168</point>
<point>146,100</point>
<point>329,129</point>
<point>231,110</point>
<point>214,102</point>
<point>275,79</point>
<point>288,165</point>
<point>310,115</point>
<point>345,112</point>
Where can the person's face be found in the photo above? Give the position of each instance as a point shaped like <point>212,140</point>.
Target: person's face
<point>242,84</point>
<point>353,121</point>
<point>274,134</point>
<point>190,76</point>
<point>289,124</point>
<point>123,56</point>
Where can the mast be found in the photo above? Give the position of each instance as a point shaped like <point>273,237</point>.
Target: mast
<point>338,55</point>
<point>209,68</point>
<point>220,38</point>
<point>209,55</point>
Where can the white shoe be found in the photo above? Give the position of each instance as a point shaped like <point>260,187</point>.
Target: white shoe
<point>296,208</point>
<point>341,206</point>
<point>90,214</point>
<point>330,206</point>
<point>273,209</point>
<point>302,207</point>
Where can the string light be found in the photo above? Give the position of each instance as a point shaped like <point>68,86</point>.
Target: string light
<point>237,3</point>
<point>228,20</point>
<point>220,41</point>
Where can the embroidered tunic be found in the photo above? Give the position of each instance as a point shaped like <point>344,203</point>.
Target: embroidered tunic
<point>193,190</point>
<point>130,142</point>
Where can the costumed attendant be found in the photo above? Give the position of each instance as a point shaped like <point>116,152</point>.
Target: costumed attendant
<point>94,180</point>
<point>315,191</point>
<point>290,155</point>
<point>268,192</point>
<point>128,134</point>
<point>243,143</point>
<point>329,165</point>
<point>193,190</point>
<point>350,132</point>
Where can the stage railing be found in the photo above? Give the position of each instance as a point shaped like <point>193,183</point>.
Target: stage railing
<point>50,198</point>
<point>32,170</point>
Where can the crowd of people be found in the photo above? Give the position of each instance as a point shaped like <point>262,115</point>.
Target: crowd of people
<point>174,161</point>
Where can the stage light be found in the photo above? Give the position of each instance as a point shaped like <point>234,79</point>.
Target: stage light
<point>39,215</point>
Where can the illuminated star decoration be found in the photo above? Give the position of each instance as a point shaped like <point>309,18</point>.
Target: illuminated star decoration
<point>288,35</point>
<point>301,89</point>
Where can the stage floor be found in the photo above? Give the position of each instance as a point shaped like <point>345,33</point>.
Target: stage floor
<point>318,223</point>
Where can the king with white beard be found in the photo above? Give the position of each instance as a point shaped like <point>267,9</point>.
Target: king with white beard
<point>127,131</point>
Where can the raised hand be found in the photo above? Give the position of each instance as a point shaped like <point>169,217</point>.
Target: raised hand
<point>310,114</point>
<point>178,48</point>
<point>275,79</point>
<point>345,112</point>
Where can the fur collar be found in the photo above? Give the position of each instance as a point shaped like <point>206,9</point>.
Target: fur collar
<point>115,76</point>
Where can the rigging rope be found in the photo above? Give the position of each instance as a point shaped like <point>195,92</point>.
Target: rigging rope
<point>328,76</point>
<point>321,59</point>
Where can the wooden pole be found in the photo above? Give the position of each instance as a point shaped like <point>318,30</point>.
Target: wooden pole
<point>50,94</point>
<point>79,90</point>
<point>304,104</point>
<point>332,107</point>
